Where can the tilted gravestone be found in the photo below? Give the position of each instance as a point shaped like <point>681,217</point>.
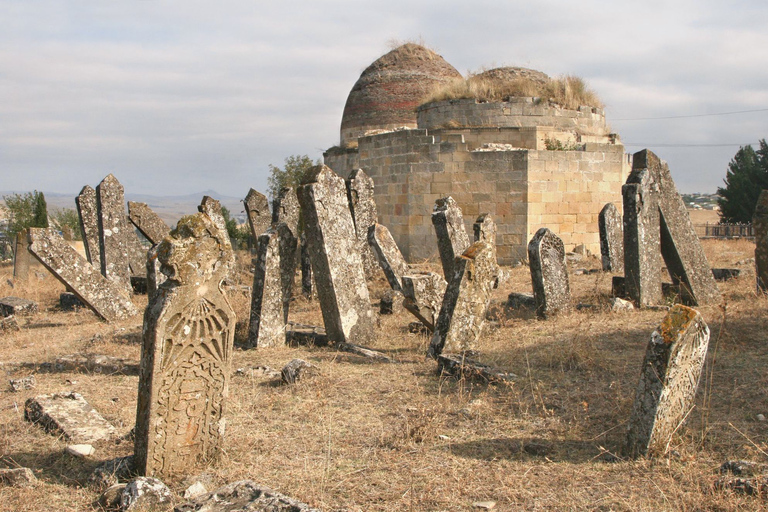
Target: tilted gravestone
<point>106,298</point>
<point>364,215</point>
<point>656,224</point>
<point>148,222</point>
<point>611,238</point>
<point>267,322</point>
<point>189,330</point>
<point>306,268</point>
<point>388,255</point>
<point>285,220</point>
<point>88,212</point>
<point>549,273</point>
<point>452,239</point>
<point>286,209</point>
<point>257,210</point>
<point>424,294</point>
<point>760,224</point>
<point>465,304</point>
<point>668,381</point>
<point>336,262</point>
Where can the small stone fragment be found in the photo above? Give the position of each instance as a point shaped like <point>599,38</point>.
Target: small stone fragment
<point>68,414</point>
<point>16,306</point>
<point>484,505</point>
<point>9,323</point>
<point>308,335</point>
<point>365,352</point>
<point>110,498</point>
<point>244,496</point>
<point>621,305</point>
<point>144,493</point>
<point>80,450</point>
<point>521,301</point>
<point>725,274</point>
<point>17,477</point>
<point>294,370</point>
<point>69,302</point>
<point>391,303</point>
<point>741,468</point>
<point>112,472</point>
<point>23,383</point>
<point>195,490</point>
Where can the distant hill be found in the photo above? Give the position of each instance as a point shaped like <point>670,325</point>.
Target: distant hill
<point>169,208</point>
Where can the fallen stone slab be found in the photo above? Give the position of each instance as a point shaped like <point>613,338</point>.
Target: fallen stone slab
<point>106,298</point>
<point>306,335</point>
<point>69,302</point>
<point>16,306</point>
<point>725,274</point>
<point>295,370</point>
<point>23,383</point>
<point>462,367</point>
<point>69,415</point>
<point>364,352</point>
<point>620,305</point>
<point>96,363</point>
<point>244,496</point>
<point>17,477</point>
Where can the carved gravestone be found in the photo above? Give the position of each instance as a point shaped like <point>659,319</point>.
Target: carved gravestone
<point>388,255</point>
<point>364,215</point>
<point>465,304</point>
<point>549,274</point>
<point>113,232</point>
<point>189,330</point>
<point>267,322</point>
<point>656,224</point>
<point>452,239</point>
<point>668,381</point>
<point>21,257</point>
<point>336,262</point>
<point>424,294</point>
<point>257,210</point>
<point>760,224</point>
<point>485,231</point>
<point>87,209</point>
<point>611,238</point>
<point>148,222</point>
<point>106,298</point>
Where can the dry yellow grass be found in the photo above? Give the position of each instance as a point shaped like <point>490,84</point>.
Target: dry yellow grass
<point>362,436</point>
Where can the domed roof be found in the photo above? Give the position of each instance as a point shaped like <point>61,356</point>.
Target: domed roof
<point>509,73</point>
<point>389,90</point>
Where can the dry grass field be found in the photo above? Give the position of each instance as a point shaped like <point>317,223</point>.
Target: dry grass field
<point>375,437</point>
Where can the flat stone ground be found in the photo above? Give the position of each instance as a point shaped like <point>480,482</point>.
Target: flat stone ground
<point>369,436</point>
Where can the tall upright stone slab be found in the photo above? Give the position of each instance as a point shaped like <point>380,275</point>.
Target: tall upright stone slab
<point>267,322</point>
<point>114,240</point>
<point>485,231</point>
<point>336,263</point>
<point>655,219</point>
<point>760,225</point>
<point>148,222</point>
<point>257,210</point>
<point>549,274</point>
<point>285,220</point>
<point>388,255</point>
<point>424,292</point>
<point>21,257</point>
<point>106,298</point>
<point>364,215</point>
<point>286,209</point>
<point>611,238</point>
<point>88,211</point>
<point>452,239</point>
<point>465,304</point>
<point>668,381</point>
<point>306,268</point>
<point>189,330</point>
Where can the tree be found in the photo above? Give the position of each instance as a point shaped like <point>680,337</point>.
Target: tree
<point>747,175</point>
<point>23,211</point>
<point>290,175</point>
<point>40,219</point>
<point>237,234</point>
<point>67,218</point>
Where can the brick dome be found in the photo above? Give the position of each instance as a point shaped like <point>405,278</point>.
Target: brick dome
<point>509,73</point>
<point>387,93</point>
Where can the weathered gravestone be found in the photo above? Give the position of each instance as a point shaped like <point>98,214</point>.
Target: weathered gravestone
<point>424,294</point>
<point>88,212</point>
<point>21,257</point>
<point>462,314</point>
<point>286,209</point>
<point>388,255</point>
<point>549,273</point>
<point>452,239</point>
<point>148,222</point>
<point>257,210</point>
<point>244,496</point>
<point>611,238</point>
<point>364,215</point>
<point>485,231</point>
<point>656,224</point>
<point>106,298</point>
<point>189,330</point>
<point>336,262</point>
<point>17,306</point>
<point>668,381</point>
<point>267,322</point>
<point>68,414</point>
<point>285,221</point>
<point>113,232</point>
<point>760,224</point>
<point>306,268</point>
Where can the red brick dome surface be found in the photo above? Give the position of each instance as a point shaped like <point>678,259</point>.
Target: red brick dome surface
<point>389,90</point>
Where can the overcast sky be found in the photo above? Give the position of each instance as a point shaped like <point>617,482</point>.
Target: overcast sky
<point>177,97</point>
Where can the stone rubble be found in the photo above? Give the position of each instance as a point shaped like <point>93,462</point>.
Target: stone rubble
<point>244,496</point>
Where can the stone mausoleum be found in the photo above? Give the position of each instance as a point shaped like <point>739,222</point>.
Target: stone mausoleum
<point>491,156</point>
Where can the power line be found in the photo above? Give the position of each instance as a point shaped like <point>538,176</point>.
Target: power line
<point>683,145</point>
<point>693,115</point>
